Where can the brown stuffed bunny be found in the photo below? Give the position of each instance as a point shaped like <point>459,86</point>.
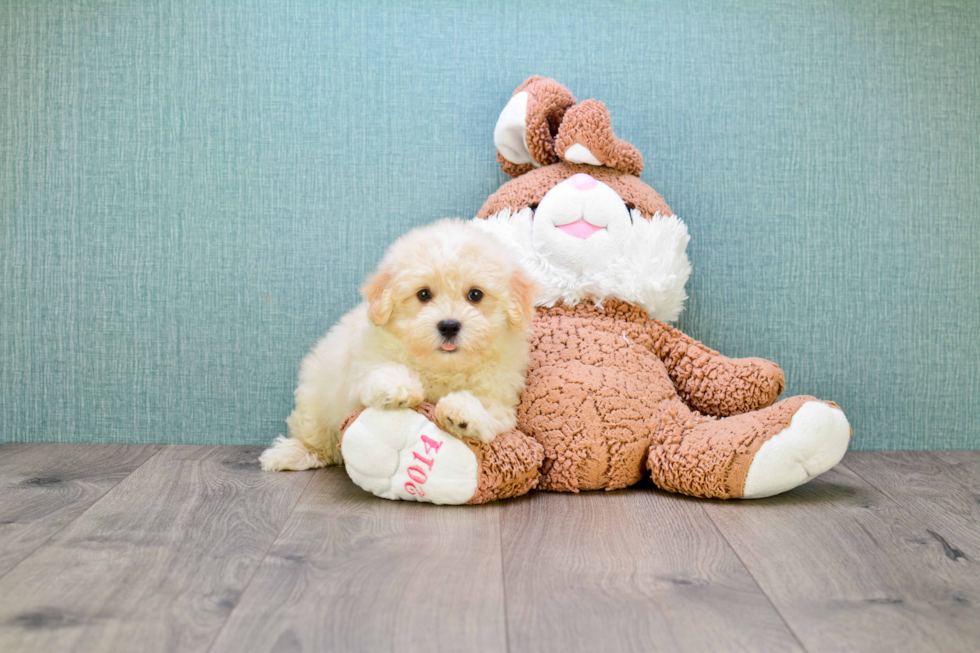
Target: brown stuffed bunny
<point>611,389</point>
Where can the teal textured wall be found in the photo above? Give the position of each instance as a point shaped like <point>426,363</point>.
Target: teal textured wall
<point>190,192</point>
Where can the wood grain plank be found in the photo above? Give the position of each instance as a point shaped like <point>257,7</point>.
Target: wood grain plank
<point>962,466</point>
<point>43,487</point>
<point>633,570</point>
<point>849,569</point>
<point>351,572</point>
<point>158,563</point>
<point>927,487</point>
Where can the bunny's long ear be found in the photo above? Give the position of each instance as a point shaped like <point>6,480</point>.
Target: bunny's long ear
<point>526,129</point>
<point>586,136</point>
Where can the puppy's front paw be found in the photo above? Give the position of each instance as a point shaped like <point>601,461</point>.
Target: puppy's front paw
<point>464,416</point>
<point>391,388</point>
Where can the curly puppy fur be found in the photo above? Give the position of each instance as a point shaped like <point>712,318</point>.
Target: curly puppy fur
<point>394,350</point>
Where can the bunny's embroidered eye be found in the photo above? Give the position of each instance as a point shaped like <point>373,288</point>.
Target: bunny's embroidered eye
<point>474,295</point>
<point>424,295</point>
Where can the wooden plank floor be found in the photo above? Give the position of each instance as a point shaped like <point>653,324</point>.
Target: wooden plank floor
<point>191,548</point>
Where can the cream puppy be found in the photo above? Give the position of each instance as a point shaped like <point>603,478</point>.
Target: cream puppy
<point>445,321</point>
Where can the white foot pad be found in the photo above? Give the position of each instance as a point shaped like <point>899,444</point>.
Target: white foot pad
<point>814,441</point>
<point>400,454</point>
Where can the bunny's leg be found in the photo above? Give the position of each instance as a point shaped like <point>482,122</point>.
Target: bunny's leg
<point>405,454</point>
<point>748,456</point>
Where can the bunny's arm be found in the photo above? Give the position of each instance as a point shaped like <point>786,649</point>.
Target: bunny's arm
<point>710,383</point>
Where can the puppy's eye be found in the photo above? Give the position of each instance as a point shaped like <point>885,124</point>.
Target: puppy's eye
<point>424,295</point>
<point>474,295</point>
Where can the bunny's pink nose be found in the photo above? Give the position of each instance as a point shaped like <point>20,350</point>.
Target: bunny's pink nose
<point>582,181</point>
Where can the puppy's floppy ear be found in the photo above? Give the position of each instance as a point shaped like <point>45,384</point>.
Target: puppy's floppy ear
<point>378,294</point>
<point>520,307</point>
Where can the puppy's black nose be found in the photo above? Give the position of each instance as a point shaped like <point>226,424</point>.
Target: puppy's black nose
<point>449,328</point>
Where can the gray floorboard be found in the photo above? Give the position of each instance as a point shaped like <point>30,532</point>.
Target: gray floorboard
<point>633,570</point>
<point>351,572</point>
<point>850,569</point>
<point>963,467</point>
<point>43,487</point>
<point>184,548</point>
<point>157,564</point>
<point>926,486</point>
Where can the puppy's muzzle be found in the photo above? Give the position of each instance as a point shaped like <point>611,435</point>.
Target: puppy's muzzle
<point>449,329</point>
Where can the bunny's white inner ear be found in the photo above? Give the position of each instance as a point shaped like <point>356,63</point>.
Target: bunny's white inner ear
<point>578,153</point>
<point>510,134</point>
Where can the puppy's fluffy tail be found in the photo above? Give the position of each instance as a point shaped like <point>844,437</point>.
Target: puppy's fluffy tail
<point>291,454</point>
